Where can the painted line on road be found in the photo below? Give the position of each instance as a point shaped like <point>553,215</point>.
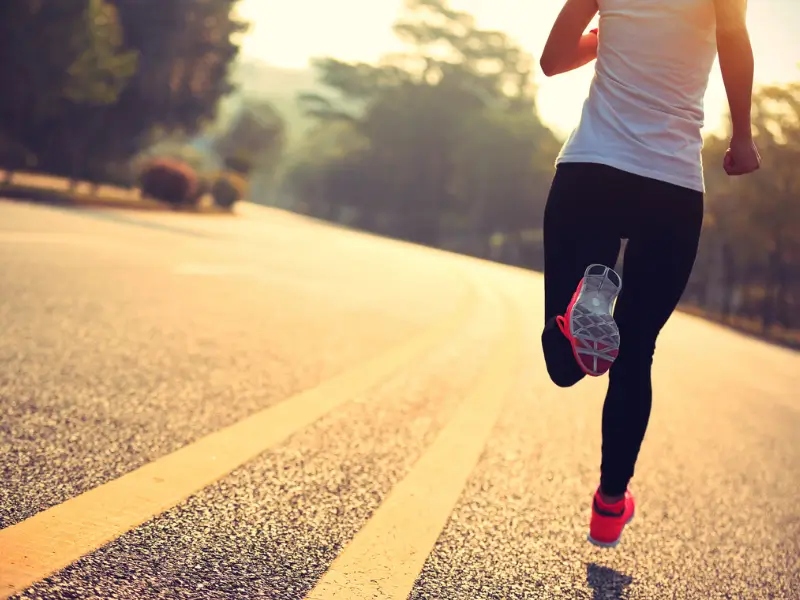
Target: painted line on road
<point>55,538</point>
<point>386,556</point>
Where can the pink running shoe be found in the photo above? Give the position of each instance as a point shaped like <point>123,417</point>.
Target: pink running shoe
<point>608,520</point>
<point>588,323</point>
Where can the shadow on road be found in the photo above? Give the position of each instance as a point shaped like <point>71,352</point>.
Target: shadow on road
<point>119,217</point>
<point>607,584</point>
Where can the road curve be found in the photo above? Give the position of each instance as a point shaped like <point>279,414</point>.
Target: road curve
<point>263,406</point>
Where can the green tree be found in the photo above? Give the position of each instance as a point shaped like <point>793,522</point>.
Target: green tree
<point>96,80</point>
<point>57,57</point>
<point>253,138</point>
<point>749,264</point>
<point>185,49</point>
<point>101,70</point>
<point>503,163</point>
<point>185,52</point>
<point>417,127</point>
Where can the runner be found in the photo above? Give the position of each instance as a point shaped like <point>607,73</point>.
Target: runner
<point>632,170</point>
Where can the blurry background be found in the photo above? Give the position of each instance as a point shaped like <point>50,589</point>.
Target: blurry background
<point>422,120</point>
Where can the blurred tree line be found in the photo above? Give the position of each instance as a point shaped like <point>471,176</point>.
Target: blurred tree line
<point>88,83</point>
<point>749,263</point>
<point>439,145</point>
<point>442,145</point>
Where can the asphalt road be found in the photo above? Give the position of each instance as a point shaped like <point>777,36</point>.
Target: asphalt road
<point>267,407</point>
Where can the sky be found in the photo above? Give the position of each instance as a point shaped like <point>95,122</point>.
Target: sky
<point>290,33</point>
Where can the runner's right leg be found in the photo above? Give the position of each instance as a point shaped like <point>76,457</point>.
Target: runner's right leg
<point>662,222</point>
<point>664,230</point>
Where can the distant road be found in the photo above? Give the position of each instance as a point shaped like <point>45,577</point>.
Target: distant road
<point>196,407</point>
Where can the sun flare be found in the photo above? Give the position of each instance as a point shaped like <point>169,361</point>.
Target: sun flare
<point>284,35</point>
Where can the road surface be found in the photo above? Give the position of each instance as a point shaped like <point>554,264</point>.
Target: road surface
<point>263,406</point>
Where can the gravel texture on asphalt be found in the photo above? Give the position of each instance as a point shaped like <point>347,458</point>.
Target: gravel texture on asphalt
<point>111,359</point>
<point>114,358</point>
<point>271,528</point>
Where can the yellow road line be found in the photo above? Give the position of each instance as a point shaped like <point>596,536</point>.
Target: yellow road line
<point>55,538</point>
<point>384,559</point>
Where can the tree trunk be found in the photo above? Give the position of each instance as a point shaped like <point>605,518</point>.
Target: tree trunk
<point>772,290</point>
<point>728,281</point>
<point>782,290</point>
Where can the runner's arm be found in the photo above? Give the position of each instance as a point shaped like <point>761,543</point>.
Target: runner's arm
<point>736,62</point>
<point>567,47</point>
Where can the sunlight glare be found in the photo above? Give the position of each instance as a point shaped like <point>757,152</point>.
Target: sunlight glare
<point>283,34</point>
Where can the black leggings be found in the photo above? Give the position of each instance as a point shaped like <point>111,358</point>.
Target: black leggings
<point>590,209</point>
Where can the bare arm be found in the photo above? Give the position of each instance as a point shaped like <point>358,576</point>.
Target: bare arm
<point>736,62</point>
<point>567,47</point>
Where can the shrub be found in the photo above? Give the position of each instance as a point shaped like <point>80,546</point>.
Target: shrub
<point>228,189</point>
<point>168,180</point>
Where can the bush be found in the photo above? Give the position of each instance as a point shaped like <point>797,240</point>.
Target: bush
<point>169,180</point>
<point>228,189</point>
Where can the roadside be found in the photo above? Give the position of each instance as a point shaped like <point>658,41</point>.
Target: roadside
<point>57,191</point>
<point>788,338</point>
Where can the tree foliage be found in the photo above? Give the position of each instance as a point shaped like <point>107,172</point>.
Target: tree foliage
<point>55,57</point>
<point>101,68</point>
<point>87,82</point>
<point>439,145</point>
<point>254,137</point>
<point>749,265</point>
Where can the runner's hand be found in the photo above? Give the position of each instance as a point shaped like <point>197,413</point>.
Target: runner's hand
<point>742,157</point>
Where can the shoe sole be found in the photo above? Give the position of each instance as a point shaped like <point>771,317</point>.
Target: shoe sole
<point>613,544</point>
<point>594,333</point>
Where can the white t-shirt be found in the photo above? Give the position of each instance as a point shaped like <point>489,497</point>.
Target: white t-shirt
<point>644,112</point>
